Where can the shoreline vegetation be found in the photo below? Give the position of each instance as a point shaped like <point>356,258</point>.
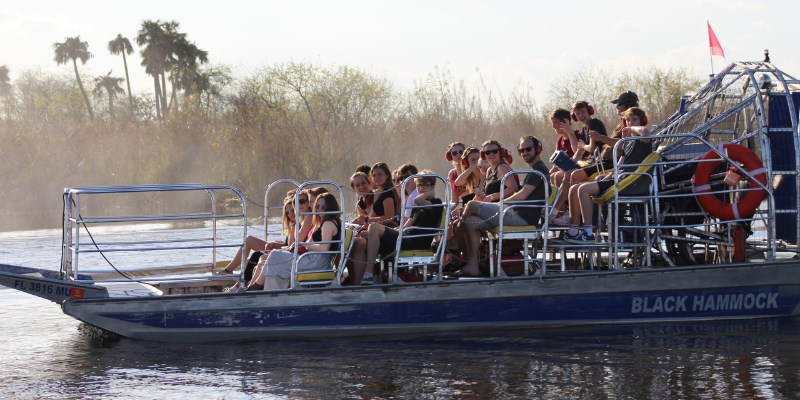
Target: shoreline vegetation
<point>294,119</point>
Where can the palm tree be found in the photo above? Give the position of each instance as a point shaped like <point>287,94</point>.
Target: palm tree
<point>154,38</point>
<point>121,45</point>
<point>73,49</point>
<point>110,85</point>
<point>184,69</point>
<point>165,49</point>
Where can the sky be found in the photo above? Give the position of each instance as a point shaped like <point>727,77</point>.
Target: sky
<point>504,43</point>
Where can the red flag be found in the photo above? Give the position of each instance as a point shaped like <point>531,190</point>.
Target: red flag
<point>713,42</point>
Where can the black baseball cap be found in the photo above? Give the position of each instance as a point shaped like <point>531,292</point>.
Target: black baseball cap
<point>626,98</point>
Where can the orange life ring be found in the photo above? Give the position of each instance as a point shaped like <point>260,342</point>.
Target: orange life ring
<point>716,207</point>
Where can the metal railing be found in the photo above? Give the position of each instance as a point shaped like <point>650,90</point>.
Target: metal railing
<point>78,217</point>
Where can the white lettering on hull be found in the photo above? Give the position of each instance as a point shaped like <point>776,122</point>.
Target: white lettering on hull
<point>718,302</point>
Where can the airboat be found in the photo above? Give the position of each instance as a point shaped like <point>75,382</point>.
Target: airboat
<point>715,237</point>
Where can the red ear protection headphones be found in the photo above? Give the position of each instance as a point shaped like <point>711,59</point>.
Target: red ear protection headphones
<point>464,157</point>
<point>503,151</point>
<point>589,108</point>
<point>449,156</point>
<point>508,157</point>
<point>537,145</point>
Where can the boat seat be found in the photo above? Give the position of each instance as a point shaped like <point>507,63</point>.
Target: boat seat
<point>516,229</point>
<point>332,276</point>
<point>424,258</point>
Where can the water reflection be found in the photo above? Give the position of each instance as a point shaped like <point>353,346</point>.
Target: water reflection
<point>46,357</point>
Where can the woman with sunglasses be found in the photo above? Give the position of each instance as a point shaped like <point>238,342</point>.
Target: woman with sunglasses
<point>277,267</point>
<point>456,153</point>
<point>386,203</point>
<point>493,152</point>
<point>307,198</point>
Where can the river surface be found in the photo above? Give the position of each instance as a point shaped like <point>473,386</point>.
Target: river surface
<point>45,354</point>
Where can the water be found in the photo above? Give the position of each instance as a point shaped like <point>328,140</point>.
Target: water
<point>44,355</point>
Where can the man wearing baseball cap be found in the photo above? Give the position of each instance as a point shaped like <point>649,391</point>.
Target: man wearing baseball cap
<point>624,101</point>
<point>628,99</point>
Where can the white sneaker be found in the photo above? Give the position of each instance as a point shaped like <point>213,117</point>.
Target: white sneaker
<point>562,220</point>
<point>368,279</point>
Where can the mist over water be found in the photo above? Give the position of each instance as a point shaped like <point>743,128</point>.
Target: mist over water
<point>293,120</point>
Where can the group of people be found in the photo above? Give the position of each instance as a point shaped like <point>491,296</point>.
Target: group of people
<point>584,159</point>
<point>581,169</point>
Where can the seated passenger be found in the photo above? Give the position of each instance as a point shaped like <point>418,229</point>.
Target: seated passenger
<point>625,101</point>
<point>360,184</point>
<point>592,127</point>
<point>277,270</point>
<point>288,231</point>
<point>570,141</point>
<point>404,171</point>
<point>385,207</point>
<point>497,156</point>
<point>471,178</point>
<point>481,216</point>
<point>382,240</point>
<point>455,153</point>
<point>386,203</point>
<point>307,198</point>
<point>581,206</point>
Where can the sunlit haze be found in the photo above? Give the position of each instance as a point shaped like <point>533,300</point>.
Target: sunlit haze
<point>505,43</point>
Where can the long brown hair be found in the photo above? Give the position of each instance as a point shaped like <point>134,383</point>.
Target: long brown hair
<point>331,204</point>
<point>388,185</point>
<point>471,179</point>
<point>288,200</point>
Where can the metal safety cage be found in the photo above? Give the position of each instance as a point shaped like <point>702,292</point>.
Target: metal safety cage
<point>755,104</point>
<point>77,218</point>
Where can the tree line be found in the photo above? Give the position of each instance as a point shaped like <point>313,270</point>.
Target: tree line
<point>291,119</point>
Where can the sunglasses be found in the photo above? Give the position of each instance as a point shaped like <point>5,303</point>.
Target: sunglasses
<point>456,153</point>
<point>303,201</point>
<point>488,152</point>
<point>522,150</point>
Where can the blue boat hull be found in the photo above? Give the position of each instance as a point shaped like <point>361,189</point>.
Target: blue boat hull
<point>671,294</point>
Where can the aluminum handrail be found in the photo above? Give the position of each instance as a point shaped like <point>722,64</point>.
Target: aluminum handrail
<point>443,230</point>
<point>75,220</point>
<point>523,204</point>
<point>296,256</point>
